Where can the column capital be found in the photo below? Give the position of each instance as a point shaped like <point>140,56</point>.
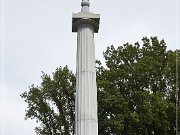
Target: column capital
<point>81,19</point>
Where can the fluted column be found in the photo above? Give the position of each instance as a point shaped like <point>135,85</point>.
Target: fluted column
<point>86,90</point>
<point>85,24</point>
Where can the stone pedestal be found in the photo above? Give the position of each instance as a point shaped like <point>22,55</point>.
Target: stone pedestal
<point>86,121</point>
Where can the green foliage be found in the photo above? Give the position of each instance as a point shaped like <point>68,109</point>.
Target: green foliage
<point>139,85</point>
<point>52,104</point>
<point>136,93</point>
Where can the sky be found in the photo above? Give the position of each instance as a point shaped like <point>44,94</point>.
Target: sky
<point>36,35</point>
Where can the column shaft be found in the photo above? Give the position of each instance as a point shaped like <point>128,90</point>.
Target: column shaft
<point>86,89</point>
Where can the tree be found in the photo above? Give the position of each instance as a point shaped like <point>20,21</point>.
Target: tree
<point>136,93</point>
<point>52,104</point>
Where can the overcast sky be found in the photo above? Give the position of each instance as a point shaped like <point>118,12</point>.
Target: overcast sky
<point>36,36</point>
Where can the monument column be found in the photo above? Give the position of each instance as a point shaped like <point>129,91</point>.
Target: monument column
<point>85,24</point>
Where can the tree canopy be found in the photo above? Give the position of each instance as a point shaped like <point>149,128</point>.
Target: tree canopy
<point>136,93</point>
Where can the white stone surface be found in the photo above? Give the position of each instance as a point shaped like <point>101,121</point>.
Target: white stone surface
<point>85,24</point>
<point>86,90</point>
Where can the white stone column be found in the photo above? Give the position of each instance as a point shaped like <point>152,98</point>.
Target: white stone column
<point>85,24</point>
<point>86,90</point>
